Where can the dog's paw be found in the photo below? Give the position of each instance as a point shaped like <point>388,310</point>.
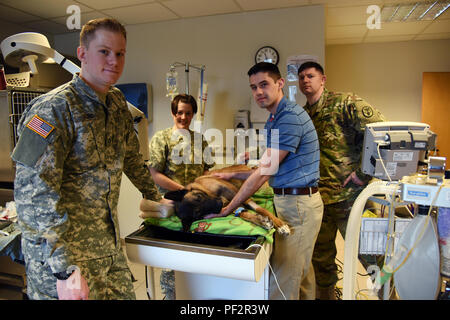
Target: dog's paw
<point>284,230</point>
<point>265,222</point>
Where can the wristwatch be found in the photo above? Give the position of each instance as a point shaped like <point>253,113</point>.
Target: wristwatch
<point>64,275</point>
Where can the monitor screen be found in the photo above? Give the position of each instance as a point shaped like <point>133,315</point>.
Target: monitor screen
<point>393,149</point>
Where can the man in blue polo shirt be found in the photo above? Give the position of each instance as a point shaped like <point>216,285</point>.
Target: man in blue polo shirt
<point>291,164</point>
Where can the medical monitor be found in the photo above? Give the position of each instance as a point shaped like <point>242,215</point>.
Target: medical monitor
<point>395,148</point>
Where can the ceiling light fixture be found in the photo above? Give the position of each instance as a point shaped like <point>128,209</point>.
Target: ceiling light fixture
<point>410,12</point>
<point>426,11</point>
<point>415,11</point>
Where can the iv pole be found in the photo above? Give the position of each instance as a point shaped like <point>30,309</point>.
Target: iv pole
<point>202,97</point>
<point>187,66</point>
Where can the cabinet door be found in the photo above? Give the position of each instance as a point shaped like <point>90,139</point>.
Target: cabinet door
<point>436,109</point>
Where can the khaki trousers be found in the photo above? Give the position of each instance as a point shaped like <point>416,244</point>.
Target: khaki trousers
<point>291,258</point>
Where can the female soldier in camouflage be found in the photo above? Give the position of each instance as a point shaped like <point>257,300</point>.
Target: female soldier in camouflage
<point>178,156</point>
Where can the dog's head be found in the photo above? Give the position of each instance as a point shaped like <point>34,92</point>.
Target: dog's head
<point>193,205</point>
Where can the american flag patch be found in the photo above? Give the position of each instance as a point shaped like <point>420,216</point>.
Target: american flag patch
<point>39,126</point>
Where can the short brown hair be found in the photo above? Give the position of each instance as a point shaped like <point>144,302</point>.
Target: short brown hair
<point>310,64</point>
<point>185,98</point>
<point>268,67</point>
<point>88,31</point>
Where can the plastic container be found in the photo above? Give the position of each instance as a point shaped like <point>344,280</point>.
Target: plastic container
<point>2,78</point>
<point>416,277</point>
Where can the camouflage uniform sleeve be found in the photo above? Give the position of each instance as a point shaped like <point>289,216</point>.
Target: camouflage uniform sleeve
<point>208,160</point>
<point>158,152</point>
<point>39,170</point>
<point>360,113</point>
<point>134,166</point>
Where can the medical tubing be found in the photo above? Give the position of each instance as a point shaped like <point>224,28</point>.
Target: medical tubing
<point>201,92</point>
<point>422,232</point>
<point>391,220</point>
<point>270,267</point>
<point>353,231</point>
<point>382,162</point>
<point>388,269</point>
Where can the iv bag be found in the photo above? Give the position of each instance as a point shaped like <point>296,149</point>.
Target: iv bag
<point>171,83</point>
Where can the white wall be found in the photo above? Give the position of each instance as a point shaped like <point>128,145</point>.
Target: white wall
<point>226,45</point>
<point>387,75</point>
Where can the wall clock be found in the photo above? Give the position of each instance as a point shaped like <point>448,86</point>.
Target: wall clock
<point>267,54</point>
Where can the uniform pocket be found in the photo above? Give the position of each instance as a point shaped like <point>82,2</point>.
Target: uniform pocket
<point>30,147</point>
<point>86,150</point>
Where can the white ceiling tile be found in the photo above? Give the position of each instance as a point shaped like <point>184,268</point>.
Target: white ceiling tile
<point>351,3</point>
<point>438,26</point>
<point>270,4</point>
<point>338,32</point>
<point>85,17</point>
<point>109,4</point>
<point>44,8</point>
<point>141,13</point>
<point>14,15</point>
<point>399,28</point>
<point>47,26</point>
<point>433,36</point>
<point>339,16</point>
<point>345,19</point>
<point>196,8</point>
<point>344,41</point>
<point>345,3</point>
<point>371,39</point>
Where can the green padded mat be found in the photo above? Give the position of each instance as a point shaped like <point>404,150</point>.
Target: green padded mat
<point>229,225</point>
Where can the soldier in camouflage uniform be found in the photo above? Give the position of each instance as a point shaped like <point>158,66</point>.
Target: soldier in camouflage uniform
<point>75,143</point>
<point>340,119</point>
<point>178,155</point>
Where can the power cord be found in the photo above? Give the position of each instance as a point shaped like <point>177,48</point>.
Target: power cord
<point>146,283</point>
<point>382,163</point>
<point>270,267</point>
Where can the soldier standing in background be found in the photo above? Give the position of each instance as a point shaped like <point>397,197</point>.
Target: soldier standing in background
<point>75,143</point>
<point>340,119</point>
<point>166,167</point>
<point>291,165</point>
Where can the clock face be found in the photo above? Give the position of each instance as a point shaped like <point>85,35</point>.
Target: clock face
<point>267,54</point>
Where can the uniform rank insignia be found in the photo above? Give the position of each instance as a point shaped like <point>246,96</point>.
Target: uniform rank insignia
<point>367,111</point>
<point>41,127</point>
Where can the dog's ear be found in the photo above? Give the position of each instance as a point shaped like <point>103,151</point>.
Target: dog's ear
<point>176,196</point>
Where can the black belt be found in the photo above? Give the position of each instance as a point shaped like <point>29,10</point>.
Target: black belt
<point>296,191</point>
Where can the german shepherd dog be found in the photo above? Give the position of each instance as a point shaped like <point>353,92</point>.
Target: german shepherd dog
<point>208,194</point>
